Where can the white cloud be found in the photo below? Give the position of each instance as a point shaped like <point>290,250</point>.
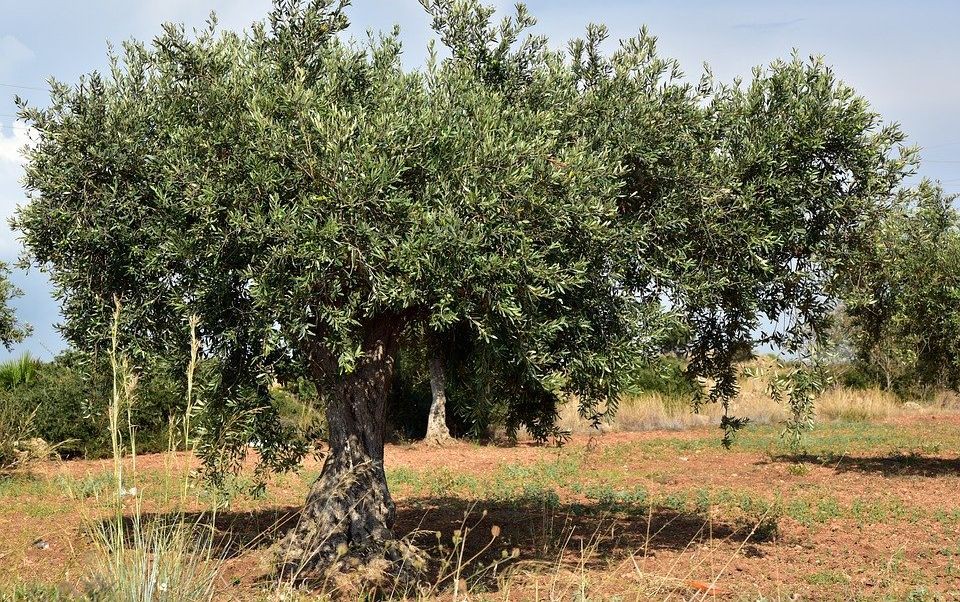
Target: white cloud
<point>12,142</point>
<point>13,53</point>
<point>11,194</point>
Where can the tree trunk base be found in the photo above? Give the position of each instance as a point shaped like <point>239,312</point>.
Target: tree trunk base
<point>344,537</point>
<point>439,439</point>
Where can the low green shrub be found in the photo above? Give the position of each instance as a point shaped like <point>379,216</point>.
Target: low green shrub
<point>299,406</point>
<point>16,425</point>
<point>666,376</point>
<point>35,593</point>
<point>67,398</point>
<point>855,376</point>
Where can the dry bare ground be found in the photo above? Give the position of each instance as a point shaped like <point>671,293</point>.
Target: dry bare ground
<point>866,509</point>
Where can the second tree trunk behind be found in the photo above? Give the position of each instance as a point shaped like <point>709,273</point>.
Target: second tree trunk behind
<point>437,431</point>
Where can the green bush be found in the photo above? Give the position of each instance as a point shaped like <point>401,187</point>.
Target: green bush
<point>855,376</point>
<point>68,399</point>
<point>15,425</point>
<point>299,406</point>
<point>16,420</point>
<point>666,376</point>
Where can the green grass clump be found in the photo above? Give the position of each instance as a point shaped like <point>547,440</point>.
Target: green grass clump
<point>827,577</point>
<point>618,499</point>
<point>35,593</point>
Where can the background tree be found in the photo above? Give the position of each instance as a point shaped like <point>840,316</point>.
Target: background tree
<point>795,173</point>
<point>11,330</point>
<point>903,301</point>
<point>315,203</point>
<point>437,429</point>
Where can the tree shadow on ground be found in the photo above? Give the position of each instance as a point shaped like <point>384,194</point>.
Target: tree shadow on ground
<point>544,532</point>
<point>234,533</point>
<point>587,534</point>
<point>894,465</point>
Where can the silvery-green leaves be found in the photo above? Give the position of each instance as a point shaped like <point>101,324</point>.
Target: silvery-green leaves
<point>902,295</point>
<point>571,212</point>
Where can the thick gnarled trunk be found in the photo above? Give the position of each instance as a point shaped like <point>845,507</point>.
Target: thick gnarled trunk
<point>348,516</point>
<point>437,431</point>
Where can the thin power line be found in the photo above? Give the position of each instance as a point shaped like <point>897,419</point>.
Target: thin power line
<point>23,87</point>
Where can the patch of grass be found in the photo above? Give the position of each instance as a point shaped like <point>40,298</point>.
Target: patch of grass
<point>833,440</point>
<point>402,476</point>
<point>829,441</point>
<point>34,593</point>
<point>922,594</point>
<point>874,511</point>
<point>563,471</point>
<point>538,496</point>
<point>24,485</point>
<point>827,509</point>
<point>43,509</point>
<point>618,499</point>
<point>676,501</point>
<point>827,577</point>
<point>89,486</point>
<point>445,482</point>
<point>947,518</point>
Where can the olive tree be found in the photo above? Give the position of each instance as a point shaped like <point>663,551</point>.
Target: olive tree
<point>562,213</point>
<point>902,303</point>
<point>12,331</point>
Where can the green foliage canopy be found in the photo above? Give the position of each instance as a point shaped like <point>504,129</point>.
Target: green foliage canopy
<point>903,300</point>
<point>572,210</point>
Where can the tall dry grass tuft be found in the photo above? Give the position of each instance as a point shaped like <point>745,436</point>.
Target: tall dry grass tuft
<point>946,400</point>
<point>857,405</point>
<point>140,560</point>
<point>654,411</point>
<point>153,562</point>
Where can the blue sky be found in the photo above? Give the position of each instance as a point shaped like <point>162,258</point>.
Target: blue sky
<point>903,59</point>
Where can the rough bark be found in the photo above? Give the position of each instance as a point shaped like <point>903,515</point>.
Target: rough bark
<point>347,519</point>
<point>437,431</point>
